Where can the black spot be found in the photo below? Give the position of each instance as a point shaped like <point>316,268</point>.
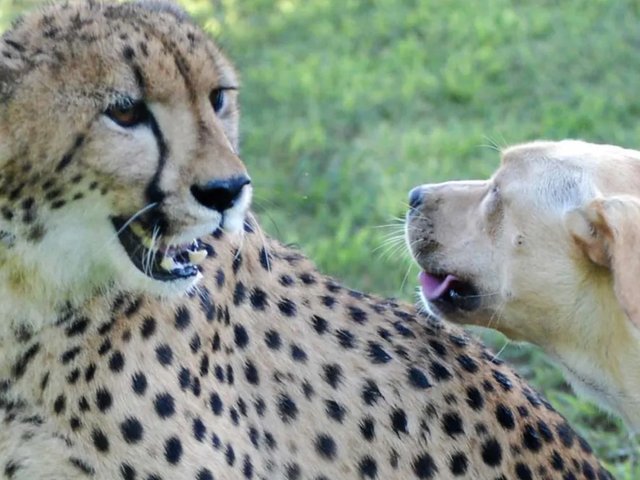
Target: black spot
<point>287,408</point>
<point>127,472</point>
<point>320,325</point>
<point>241,337</point>
<point>530,438</point>
<point>326,446</point>
<point>148,327</point>
<point>132,430</point>
<point>307,278</point>
<point>458,464</point>
<point>220,277</point>
<point>183,318</point>
<point>335,411</point>
<point>523,472</point>
<point>69,355</point>
<point>215,402</point>
<point>287,307</point>
<point>492,452</point>
<point>164,405</point>
<point>368,467</point>
<point>184,378</point>
<point>566,434</point>
<point>505,417</point>
<point>199,429</point>
<point>237,262</point>
<point>438,348</point>
<point>116,362</point>
<point>368,428</point>
<point>195,343</point>
<point>556,461</point>
<point>357,314</point>
<point>173,450</point>
<point>439,371</point>
<point>139,383</point>
<point>247,467</point>
<point>502,380</point>
<point>251,373</point>
<point>346,339</point>
<point>103,400</point>
<point>265,259</point>
<point>83,466</point>
<point>332,374</point>
<point>467,363</point>
<point>204,474</point>
<point>298,354</point>
<point>370,393</point>
<point>377,354</point>
<point>452,424</point>
<point>474,398</point>
<point>258,299</point>
<point>328,301</point>
<point>286,280</point>
<point>292,471</point>
<point>230,455</point>
<point>399,421</point>
<point>59,404</point>
<point>77,327</point>
<point>272,339</point>
<point>545,432</point>
<point>424,467</point>
<point>417,378</point>
<point>100,440</point>
<point>66,159</point>
<point>239,293</point>
<point>164,354</point>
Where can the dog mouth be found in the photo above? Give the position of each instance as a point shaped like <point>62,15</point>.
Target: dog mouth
<point>161,262</point>
<point>448,292</point>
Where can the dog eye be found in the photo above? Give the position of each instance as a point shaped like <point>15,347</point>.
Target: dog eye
<point>128,113</point>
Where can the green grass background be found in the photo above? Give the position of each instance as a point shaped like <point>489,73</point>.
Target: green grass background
<point>347,104</point>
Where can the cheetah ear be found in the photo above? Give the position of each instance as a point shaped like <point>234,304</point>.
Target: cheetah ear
<point>607,230</point>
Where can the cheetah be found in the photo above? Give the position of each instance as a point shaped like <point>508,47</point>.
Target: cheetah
<point>131,351</point>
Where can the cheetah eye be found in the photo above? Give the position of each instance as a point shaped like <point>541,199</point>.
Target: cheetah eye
<point>128,113</point>
<point>217,97</point>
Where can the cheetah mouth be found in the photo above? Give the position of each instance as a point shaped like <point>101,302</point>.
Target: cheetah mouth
<point>161,262</point>
<point>448,293</point>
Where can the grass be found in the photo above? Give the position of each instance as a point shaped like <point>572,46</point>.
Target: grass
<point>347,104</point>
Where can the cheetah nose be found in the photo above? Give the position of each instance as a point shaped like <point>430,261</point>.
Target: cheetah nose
<point>415,197</point>
<point>220,195</point>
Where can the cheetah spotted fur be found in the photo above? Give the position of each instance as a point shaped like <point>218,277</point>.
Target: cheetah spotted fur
<point>247,365</point>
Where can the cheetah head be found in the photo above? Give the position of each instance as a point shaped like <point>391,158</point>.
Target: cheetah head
<point>118,150</point>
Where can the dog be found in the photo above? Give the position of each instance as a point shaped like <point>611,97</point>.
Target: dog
<point>547,251</point>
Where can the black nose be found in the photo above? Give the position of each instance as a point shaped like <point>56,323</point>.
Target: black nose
<point>220,194</point>
<point>415,197</point>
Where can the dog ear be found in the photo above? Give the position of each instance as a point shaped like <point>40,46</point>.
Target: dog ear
<point>608,232</point>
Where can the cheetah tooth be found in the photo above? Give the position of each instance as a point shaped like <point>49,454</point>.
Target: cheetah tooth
<point>169,264</point>
<point>197,257</point>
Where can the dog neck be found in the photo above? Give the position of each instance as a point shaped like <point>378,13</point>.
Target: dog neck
<point>601,359</point>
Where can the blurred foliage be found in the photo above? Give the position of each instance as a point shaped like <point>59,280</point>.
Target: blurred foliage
<point>347,104</point>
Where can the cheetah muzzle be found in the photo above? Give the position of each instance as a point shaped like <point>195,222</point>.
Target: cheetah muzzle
<point>158,261</point>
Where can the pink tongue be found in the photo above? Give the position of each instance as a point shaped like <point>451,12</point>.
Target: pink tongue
<point>434,287</point>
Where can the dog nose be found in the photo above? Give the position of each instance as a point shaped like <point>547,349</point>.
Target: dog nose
<point>415,197</point>
<point>220,195</point>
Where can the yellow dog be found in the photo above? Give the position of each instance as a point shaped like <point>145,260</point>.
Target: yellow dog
<point>547,250</point>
